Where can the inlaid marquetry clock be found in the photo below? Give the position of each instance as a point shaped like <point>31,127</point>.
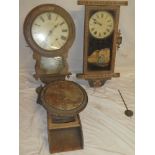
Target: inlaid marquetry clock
<point>102,38</point>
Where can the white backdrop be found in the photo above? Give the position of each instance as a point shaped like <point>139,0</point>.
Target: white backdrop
<point>107,131</point>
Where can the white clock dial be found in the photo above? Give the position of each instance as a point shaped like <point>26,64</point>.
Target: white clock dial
<point>101,24</point>
<point>50,31</point>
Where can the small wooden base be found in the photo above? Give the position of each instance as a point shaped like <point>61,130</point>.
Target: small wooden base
<point>65,136</point>
<point>97,76</point>
<point>96,83</point>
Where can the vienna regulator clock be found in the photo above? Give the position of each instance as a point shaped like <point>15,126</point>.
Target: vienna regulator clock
<point>50,31</point>
<point>101,40</point>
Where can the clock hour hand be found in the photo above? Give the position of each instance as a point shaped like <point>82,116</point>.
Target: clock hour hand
<point>96,22</point>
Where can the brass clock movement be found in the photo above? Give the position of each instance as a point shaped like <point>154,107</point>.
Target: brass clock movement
<point>50,31</point>
<point>101,40</point>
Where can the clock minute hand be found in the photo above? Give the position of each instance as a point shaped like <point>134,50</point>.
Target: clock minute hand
<point>50,32</point>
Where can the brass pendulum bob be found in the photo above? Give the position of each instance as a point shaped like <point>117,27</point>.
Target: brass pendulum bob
<point>127,112</point>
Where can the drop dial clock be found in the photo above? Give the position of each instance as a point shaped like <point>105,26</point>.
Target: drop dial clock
<point>50,31</point>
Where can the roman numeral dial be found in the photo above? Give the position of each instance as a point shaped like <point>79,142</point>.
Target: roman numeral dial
<point>101,24</point>
<point>50,31</point>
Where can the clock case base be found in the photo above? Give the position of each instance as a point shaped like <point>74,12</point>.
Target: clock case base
<point>97,81</point>
<point>66,136</point>
<point>64,132</point>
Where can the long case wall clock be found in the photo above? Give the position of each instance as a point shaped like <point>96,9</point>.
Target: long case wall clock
<point>102,38</point>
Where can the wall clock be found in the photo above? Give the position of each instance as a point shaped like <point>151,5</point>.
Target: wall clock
<point>101,40</point>
<point>50,31</point>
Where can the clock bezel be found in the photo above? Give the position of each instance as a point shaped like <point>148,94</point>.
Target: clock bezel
<point>28,25</point>
<point>112,27</point>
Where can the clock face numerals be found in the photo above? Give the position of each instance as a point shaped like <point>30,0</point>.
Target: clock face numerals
<point>101,24</point>
<point>50,31</point>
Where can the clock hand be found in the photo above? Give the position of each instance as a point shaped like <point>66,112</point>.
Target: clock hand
<point>96,22</point>
<point>50,32</point>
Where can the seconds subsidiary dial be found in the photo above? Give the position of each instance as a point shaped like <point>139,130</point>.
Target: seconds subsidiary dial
<point>50,31</point>
<point>101,24</point>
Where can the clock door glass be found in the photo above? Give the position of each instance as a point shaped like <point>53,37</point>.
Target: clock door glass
<point>100,39</point>
<point>50,31</point>
<point>52,65</point>
<point>101,24</point>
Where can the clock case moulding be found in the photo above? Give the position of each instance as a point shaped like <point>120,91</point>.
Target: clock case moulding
<point>97,77</point>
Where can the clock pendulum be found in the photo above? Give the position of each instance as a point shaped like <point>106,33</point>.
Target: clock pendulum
<point>127,112</point>
<point>50,31</point>
<point>101,40</point>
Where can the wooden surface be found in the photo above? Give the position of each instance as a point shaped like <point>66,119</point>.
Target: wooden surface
<point>103,2</point>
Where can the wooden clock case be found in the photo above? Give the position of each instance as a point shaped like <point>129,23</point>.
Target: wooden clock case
<point>64,125</point>
<point>38,52</point>
<point>97,76</point>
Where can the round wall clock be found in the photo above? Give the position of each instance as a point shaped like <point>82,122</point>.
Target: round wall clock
<point>49,30</point>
